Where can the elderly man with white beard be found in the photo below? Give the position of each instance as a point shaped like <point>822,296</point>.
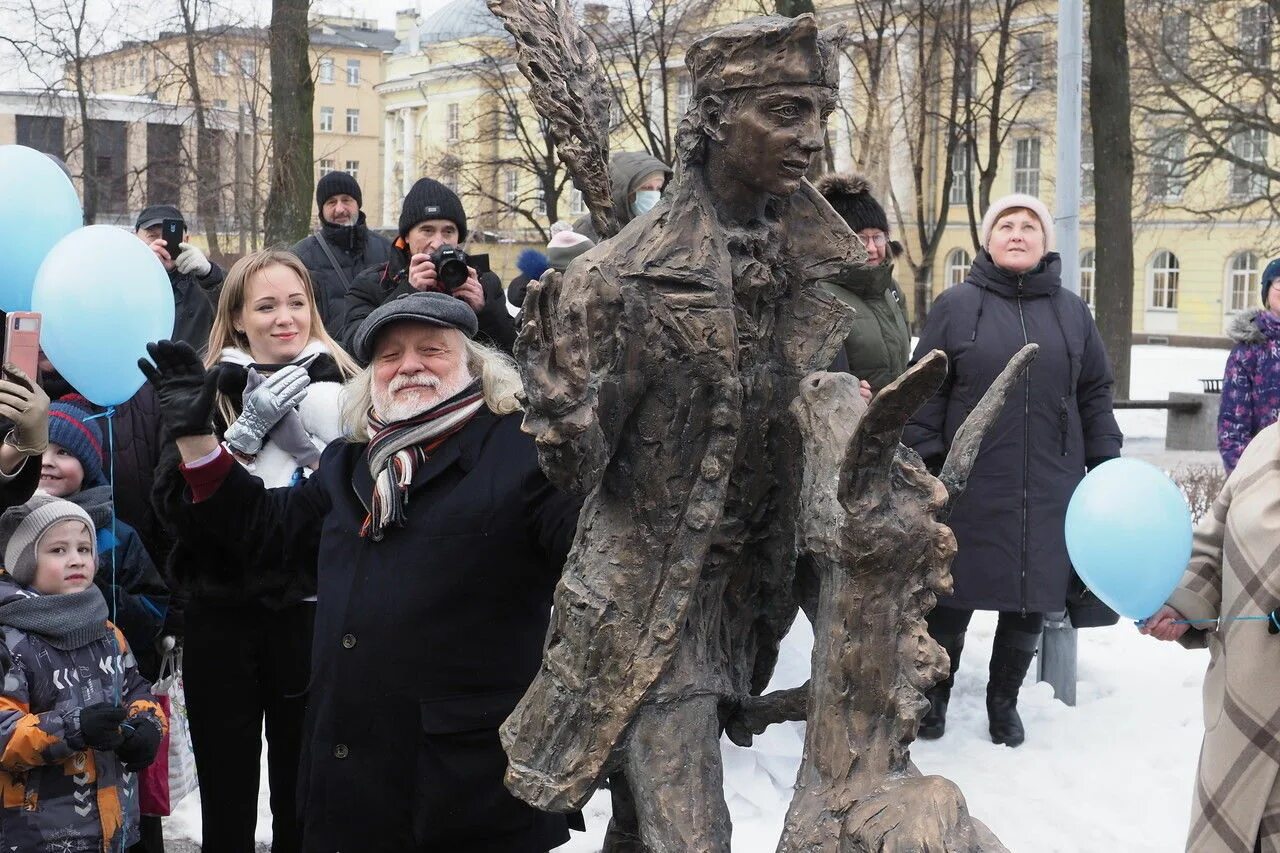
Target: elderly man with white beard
<point>436,542</point>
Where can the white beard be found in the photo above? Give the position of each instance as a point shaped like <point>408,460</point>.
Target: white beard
<point>390,407</point>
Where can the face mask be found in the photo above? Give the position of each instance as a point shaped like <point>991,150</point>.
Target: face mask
<point>645,201</point>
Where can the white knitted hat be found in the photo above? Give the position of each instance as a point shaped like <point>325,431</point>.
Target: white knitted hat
<point>29,523</point>
<point>1001,206</point>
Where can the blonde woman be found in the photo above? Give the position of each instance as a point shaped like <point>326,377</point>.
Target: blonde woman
<point>248,634</point>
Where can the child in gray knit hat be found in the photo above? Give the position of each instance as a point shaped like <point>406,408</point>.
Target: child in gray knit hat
<point>77,720</point>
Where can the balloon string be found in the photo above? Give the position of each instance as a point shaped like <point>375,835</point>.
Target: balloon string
<point>1267,618</point>
<point>118,675</point>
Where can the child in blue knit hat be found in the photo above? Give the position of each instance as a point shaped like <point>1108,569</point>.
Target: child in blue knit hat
<point>72,469</point>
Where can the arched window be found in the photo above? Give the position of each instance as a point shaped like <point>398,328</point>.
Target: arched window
<point>1088,266</point>
<point>1244,281</point>
<point>1162,273</point>
<point>957,266</point>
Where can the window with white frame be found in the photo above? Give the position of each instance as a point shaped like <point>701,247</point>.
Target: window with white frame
<point>1026,166</point>
<point>959,193</point>
<point>684,90</point>
<point>1175,40</point>
<point>1244,281</point>
<point>1162,273</point>
<point>219,103</point>
<point>452,122</point>
<point>142,69</point>
<point>1086,165</point>
<point>353,72</point>
<point>1255,38</point>
<point>1088,266</point>
<point>540,201</point>
<point>615,113</point>
<point>326,166</point>
<point>511,188</point>
<point>1030,61</point>
<point>326,119</point>
<point>248,64</point>
<point>1249,181</point>
<point>1168,156</point>
<point>957,266</point>
<point>324,72</point>
<point>220,63</point>
<point>510,122</point>
<point>577,205</point>
<point>353,169</point>
<point>353,121</point>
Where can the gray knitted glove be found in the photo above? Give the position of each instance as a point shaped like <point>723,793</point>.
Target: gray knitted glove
<point>265,403</point>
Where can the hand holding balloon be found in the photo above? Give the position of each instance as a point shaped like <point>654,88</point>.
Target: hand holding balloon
<point>1165,625</point>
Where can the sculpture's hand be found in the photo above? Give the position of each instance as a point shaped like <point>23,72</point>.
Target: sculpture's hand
<point>749,716</point>
<point>913,814</point>
<point>558,399</point>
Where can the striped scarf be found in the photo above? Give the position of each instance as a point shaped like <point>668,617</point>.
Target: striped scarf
<point>397,449</point>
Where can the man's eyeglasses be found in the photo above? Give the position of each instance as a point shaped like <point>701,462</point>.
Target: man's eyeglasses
<point>880,240</point>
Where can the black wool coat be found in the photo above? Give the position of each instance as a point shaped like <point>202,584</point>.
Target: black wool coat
<point>1057,421</point>
<point>424,641</point>
<point>194,301</point>
<point>355,248</point>
<point>377,284</point>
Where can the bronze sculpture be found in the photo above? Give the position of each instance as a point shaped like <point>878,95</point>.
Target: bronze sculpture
<point>658,373</point>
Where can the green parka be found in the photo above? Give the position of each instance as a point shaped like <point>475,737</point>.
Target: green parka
<point>878,347</point>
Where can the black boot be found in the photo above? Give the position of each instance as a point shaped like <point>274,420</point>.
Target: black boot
<point>935,719</point>
<point>1011,657</point>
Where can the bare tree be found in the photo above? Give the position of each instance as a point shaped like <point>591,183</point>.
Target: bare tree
<point>1206,88</point>
<point>1001,65</point>
<point>288,216</point>
<point>929,104</point>
<point>510,160</point>
<point>872,40</point>
<point>1109,107</point>
<point>639,42</point>
<point>55,44</point>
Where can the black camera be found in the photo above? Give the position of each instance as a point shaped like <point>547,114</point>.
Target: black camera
<point>451,267</point>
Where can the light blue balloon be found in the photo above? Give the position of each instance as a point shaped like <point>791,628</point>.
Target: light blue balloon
<point>104,296</point>
<point>43,209</point>
<point>1129,535</point>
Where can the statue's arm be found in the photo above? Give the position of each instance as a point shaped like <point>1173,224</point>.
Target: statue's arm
<point>564,351</point>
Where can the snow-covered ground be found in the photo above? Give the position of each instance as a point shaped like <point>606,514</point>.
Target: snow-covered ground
<point>1113,773</point>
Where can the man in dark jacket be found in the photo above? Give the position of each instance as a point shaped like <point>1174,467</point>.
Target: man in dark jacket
<point>433,597</point>
<point>342,248</point>
<point>195,279</point>
<point>432,216</point>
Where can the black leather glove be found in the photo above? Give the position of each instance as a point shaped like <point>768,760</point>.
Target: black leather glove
<point>184,388</point>
<point>141,740</point>
<point>99,726</point>
<point>1273,622</point>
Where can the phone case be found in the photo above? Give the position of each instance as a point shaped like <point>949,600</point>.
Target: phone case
<point>22,342</point>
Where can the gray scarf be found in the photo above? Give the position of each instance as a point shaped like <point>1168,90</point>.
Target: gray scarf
<point>66,621</point>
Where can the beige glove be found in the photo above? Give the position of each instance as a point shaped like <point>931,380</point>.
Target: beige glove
<point>192,261</point>
<point>25,403</point>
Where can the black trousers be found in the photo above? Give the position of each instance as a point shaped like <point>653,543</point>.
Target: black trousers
<point>243,664</point>
<point>948,621</point>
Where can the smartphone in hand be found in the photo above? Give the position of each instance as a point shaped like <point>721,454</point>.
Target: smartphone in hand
<point>22,342</point>
<point>172,232</point>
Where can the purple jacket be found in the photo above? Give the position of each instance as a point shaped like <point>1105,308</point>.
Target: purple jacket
<point>1250,384</point>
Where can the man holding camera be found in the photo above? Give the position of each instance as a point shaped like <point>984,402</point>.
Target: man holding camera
<point>195,278</point>
<point>342,248</point>
<point>426,257</point>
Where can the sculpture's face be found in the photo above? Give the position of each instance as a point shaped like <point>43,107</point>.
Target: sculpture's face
<point>770,135</point>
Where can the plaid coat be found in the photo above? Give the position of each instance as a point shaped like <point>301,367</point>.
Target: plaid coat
<point>1234,572</point>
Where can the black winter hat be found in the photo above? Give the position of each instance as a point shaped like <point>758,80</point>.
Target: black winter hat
<point>850,196</point>
<point>1270,276</point>
<point>336,183</point>
<point>430,199</point>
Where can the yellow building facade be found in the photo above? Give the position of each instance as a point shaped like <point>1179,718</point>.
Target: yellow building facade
<point>233,74</point>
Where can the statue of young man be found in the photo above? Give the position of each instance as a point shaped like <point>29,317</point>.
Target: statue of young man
<point>659,371</point>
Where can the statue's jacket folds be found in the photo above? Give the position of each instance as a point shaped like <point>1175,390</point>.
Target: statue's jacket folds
<point>673,422</point>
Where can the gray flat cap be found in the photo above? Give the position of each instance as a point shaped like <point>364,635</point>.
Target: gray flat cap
<point>438,309</point>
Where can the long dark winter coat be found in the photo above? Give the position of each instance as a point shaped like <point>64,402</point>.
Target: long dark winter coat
<point>194,300</point>
<point>877,348</point>
<point>377,284</point>
<point>424,641</point>
<point>1009,523</point>
<point>355,248</point>
<point>1250,383</point>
